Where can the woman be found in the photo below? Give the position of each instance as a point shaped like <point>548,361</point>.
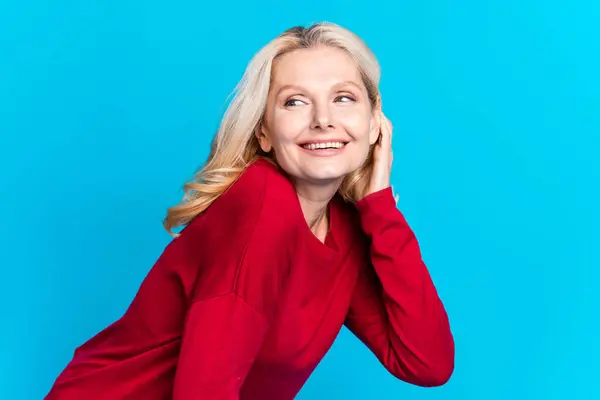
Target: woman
<point>290,232</point>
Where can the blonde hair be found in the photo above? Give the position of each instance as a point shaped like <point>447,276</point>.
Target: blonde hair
<point>235,145</point>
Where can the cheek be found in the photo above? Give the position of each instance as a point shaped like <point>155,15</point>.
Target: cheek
<point>357,125</point>
<point>286,129</point>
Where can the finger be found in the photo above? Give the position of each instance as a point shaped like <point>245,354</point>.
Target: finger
<point>382,125</point>
<point>396,196</point>
<point>391,131</point>
<point>386,131</point>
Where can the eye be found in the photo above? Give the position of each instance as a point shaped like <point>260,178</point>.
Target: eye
<point>290,102</point>
<point>348,99</point>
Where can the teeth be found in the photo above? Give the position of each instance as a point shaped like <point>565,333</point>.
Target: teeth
<point>328,145</point>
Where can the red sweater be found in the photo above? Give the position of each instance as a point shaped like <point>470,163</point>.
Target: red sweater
<point>247,301</point>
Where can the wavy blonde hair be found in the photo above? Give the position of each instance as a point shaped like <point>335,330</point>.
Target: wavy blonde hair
<point>235,145</point>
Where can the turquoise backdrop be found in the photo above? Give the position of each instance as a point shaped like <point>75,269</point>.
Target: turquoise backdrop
<point>106,107</point>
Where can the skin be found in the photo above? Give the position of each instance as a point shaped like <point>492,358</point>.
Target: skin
<point>318,94</point>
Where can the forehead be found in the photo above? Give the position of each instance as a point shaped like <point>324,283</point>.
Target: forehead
<point>317,64</point>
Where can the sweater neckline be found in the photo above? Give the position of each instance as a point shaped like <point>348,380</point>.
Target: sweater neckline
<point>329,245</point>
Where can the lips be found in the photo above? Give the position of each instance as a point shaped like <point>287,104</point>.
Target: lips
<point>324,148</point>
<point>324,145</point>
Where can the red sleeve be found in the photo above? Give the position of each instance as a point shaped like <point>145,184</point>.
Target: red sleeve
<point>202,311</point>
<point>224,329</point>
<point>395,308</point>
<point>221,339</point>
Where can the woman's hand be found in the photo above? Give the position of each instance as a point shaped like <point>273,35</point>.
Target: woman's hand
<point>382,158</point>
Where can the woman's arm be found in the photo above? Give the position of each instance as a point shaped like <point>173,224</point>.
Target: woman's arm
<point>199,317</point>
<point>395,308</point>
<point>224,331</point>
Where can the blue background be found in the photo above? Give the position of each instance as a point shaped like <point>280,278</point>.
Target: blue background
<point>106,107</point>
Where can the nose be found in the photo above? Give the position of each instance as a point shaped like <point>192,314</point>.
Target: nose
<point>322,118</point>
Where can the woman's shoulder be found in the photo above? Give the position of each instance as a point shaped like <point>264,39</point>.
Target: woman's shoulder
<point>267,171</point>
<point>249,187</point>
<point>255,185</point>
<point>245,229</point>
<point>260,187</point>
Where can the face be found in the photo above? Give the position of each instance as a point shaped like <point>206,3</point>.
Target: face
<point>319,121</point>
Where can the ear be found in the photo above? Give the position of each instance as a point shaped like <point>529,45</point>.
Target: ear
<point>262,135</point>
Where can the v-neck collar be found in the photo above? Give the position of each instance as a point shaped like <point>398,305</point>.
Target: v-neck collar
<point>329,245</point>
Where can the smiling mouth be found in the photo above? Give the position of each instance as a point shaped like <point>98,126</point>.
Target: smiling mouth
<point>323,146</point>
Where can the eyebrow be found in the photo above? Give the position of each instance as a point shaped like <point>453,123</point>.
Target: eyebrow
<point>339,84</point>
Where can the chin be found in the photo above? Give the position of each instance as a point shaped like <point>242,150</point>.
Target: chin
<point>320,170</point>
<point>325,172</point>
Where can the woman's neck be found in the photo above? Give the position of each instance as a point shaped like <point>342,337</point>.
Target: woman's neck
<point>314,201</point>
